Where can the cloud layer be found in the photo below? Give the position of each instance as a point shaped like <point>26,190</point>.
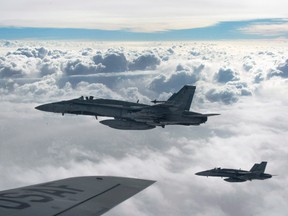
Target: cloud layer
<point>144,16</point>
<point>245,82</point>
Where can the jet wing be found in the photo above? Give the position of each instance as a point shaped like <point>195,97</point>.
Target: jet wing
<point>85,196</point>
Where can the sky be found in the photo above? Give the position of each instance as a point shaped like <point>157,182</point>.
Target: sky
<point>244,81</point>
<point>143,20</point>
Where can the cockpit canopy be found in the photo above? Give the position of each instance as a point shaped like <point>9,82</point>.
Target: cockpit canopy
<point>86,98</point>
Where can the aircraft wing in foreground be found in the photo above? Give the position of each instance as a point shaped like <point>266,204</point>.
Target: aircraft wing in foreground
<point>238,175</point>
<point>85,196</point>
<point>134,116</point>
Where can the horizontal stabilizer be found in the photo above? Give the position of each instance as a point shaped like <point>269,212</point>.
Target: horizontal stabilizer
<point>195,114</point>
<point>210,114</point>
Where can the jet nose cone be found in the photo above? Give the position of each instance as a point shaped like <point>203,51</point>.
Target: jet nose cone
<point>45,107</point>
<point>203,173</point>
<point>200,173</point>
<point>39,107</point>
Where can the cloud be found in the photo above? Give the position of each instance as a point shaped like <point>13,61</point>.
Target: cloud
<point>10,70</point>
<point>112,62</point>
<point>135,17</point>
<point>7,43</point>
<point>46,87</point>
<point>281,71</point>
<point>268,29</point>
<point>227,95</point>
<point>146,61</point>
<point>14,66</point>
<point>30,52</point>
<point>38,146</point>
<point>225,75</point>
<point>80,67</point>
<point>174,81</point>
<point>248,63</point>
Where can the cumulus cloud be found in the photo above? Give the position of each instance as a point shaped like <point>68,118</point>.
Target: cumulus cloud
<point>280,71</point>
<point>225,75</point>
<point>226,95</point>
<point>19,66</point>
<point>30,52</point>
<point>9,70</point>
<point>183,75</point>
<point>147,61</point>
<point>109,62</point>
<point>112,61</point>
<point>252,126</point>
<point>248,63</point>
<point>79,67</point>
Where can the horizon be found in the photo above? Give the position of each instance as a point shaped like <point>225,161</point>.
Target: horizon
<point>230,30</point>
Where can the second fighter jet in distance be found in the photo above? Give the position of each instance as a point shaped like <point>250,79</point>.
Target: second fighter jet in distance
<point>238,175</point>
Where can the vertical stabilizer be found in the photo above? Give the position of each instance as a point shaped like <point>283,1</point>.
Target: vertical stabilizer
<point>259,168</point>
<point>183,98</point>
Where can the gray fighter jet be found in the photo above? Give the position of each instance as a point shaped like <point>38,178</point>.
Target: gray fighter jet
<point>85,196</point>
<point>238,175</point>
<point>134,116</point>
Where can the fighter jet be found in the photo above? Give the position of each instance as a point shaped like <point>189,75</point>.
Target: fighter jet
<point>238,175</point>
<point>85,196</point>
<point>134,116</point>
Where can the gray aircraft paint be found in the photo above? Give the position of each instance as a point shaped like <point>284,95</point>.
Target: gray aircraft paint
<point>238,175</point>
<point>134,116</point>
<point>88,195</point>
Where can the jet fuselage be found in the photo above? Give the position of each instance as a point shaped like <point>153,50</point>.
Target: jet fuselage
<point>130,115</point>
<point>94,107</point>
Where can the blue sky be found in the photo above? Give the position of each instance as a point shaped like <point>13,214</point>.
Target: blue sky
<point>229,30</point>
